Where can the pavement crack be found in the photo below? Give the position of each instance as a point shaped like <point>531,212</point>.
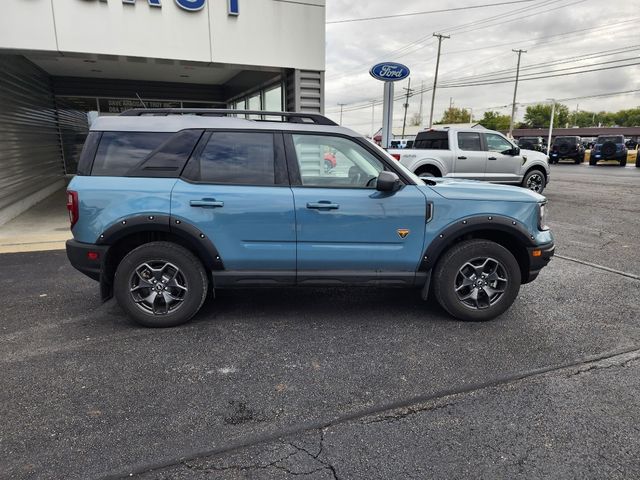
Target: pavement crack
<point>257,466</point>
<point>406,412</point>
<point>316,456</point>
<point>622,363</point>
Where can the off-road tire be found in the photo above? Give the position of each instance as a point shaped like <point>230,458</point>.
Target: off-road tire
<point>623,162</point>
<point>189,267</point>
<point>541,181</point>
<point>593,161</point>
<point>453,260</point>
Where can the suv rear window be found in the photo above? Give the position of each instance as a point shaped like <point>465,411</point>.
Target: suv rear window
<point>432,140</point>
<point>572,140</point>
<point>237,158</point>
<point>118,152</point>
<point>613,139</point>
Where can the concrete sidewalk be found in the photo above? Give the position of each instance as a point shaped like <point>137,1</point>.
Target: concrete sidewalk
<point>43,227</point>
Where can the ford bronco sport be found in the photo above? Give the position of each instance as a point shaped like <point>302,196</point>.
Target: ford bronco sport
<point>169,205</point>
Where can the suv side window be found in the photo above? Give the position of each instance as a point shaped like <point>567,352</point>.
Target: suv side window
<point>469,141</point>
<point>118,152</point>
<point>237,158</point>
<point>497,143</point>
<point>327,161</point>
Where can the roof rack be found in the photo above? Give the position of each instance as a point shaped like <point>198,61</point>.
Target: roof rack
<point>292,117</point>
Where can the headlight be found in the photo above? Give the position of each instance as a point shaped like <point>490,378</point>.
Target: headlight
<point>542,216</point>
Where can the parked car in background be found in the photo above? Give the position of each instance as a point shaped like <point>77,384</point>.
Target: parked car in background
<point>567,147</point>
<point>476,154</point>
<point>631,144</point>
<point>169,205</point>
<point>401,143</point>
<point>609,147</point>
<point>532,143</point>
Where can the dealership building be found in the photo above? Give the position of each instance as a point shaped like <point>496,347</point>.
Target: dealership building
<point>61,61</point>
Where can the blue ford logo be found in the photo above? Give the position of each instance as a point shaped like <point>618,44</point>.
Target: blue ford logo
<point>389,71</point>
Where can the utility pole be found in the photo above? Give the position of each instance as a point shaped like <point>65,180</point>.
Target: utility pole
<point>373,112</point>
<point>421,99</point>
<point>341,105</point>
<point>553,112</point>
<point>515,90</point>
<point>435,78</point>
<point>406,105</point>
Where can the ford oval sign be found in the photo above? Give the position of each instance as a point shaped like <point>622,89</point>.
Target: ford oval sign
<point>389,71</point>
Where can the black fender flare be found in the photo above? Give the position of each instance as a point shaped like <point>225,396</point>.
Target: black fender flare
<point>192,236</point>
<point>468,225</point>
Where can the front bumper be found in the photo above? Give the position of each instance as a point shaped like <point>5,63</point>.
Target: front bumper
<point>537,263</point>
<point>79,256</point>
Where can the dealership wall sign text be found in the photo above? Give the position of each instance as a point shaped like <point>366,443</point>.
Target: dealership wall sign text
<point>233,6</point>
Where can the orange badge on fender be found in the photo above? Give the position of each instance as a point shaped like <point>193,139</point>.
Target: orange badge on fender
<point>403,232</point>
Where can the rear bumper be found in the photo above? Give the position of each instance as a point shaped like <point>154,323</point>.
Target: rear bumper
<point>615,156</point>
<point>574,155</point>
<point>538,263</point>
<point>78,255</point>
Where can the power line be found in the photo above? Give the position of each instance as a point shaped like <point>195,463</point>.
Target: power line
<point>426,12</point>
<point>414,46</point>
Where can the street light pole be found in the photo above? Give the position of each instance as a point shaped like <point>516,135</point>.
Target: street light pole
<point>515,90</point>
<point>435,78</point>
<point>553,112</point>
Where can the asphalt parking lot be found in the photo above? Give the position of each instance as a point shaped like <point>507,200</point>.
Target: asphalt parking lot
<point>339,383</point>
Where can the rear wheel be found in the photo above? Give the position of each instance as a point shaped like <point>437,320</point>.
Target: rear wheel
<point>592,161</point>
<point>160,284</point>
<point>623,162</point>
<point>534,180</point>
<point>476,280</point>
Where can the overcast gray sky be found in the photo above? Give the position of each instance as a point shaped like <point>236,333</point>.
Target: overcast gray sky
<point>559,35</point>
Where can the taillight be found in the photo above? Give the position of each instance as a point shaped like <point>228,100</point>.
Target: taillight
<point>72,207</point>
<point>396,156</point>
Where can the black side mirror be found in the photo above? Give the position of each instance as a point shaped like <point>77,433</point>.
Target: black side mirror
<point>387,182</point>
<point>515,151</point>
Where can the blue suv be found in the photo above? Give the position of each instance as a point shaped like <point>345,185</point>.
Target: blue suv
<point>609,147</point>
<point>169,205</point>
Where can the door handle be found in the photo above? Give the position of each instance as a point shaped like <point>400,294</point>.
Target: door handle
<point>323,205</point>
<point>206,203</point>
<point>462,158</point>
<point>492,158</point>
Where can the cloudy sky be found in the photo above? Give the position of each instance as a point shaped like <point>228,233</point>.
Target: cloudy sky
<point>560,36</point>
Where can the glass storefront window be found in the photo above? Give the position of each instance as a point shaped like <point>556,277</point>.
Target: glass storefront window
<point>273,99</point>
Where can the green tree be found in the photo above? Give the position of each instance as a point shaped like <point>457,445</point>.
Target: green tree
<point>495,121</point>
<point>539,116</point>
<point>455,115</point>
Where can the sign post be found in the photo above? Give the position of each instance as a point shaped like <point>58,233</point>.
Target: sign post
<point>388,72</point>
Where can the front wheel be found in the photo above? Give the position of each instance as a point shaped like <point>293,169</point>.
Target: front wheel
<point>476,280</point>
<point>534,180</point>
<point>160,284</point>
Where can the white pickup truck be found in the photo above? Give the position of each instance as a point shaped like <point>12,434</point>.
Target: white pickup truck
<point>475,154</point>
